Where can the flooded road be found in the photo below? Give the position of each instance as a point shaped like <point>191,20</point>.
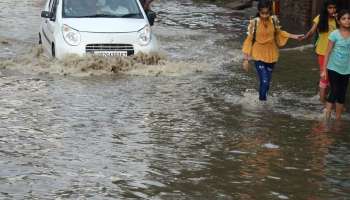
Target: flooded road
<point>186,127</point>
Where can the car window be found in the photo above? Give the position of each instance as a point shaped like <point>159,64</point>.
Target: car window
<point>101,8</point>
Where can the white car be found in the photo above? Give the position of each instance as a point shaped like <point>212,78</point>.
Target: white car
<point>103,27</point>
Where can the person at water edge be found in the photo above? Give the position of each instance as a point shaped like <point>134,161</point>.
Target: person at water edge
<point>146,4</point>
<point>323,25</point>
<point>337,65</point>
<point>262,45</point>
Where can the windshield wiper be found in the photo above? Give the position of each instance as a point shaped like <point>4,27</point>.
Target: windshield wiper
<point>97,15</point>
<point>110,16</point>
<point>129,15</point>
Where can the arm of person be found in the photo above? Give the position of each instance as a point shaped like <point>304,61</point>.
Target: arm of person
<point>247,50</point>
<point>248,46</point>
<point>248,43</point>
<point>296,36</point>
<point>311,32</point>
<point>326,59</point>
<point>283,36</point>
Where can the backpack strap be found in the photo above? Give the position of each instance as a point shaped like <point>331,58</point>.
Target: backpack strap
<point>254,30</point>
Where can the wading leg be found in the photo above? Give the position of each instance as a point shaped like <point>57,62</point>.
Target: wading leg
<point>264,73</point>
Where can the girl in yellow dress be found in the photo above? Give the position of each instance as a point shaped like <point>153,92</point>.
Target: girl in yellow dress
<point>323,24</point>
<point>262,45</point>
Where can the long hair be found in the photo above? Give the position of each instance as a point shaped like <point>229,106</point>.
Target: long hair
<point>264,4</point>
<point>323,25</point>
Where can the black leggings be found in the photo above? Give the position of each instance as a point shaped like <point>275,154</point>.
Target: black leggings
<point>338,87</point>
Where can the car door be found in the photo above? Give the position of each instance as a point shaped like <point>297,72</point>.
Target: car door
<point>49,26</point>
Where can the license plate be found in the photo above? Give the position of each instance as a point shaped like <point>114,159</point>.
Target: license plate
<point>111,53</point>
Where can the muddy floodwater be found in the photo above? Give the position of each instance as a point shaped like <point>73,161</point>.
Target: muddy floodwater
<point>184,124</point>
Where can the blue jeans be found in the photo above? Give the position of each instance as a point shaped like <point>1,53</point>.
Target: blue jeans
<point>264,71</point>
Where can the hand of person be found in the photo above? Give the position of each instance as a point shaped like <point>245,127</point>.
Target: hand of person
<point>246,65</point>
<point>300,37</point>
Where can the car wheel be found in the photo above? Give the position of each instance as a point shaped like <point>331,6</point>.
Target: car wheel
<point>53,51</point>
<point>40,41</point>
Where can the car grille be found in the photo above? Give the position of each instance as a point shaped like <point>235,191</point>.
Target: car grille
<point>91,48</point>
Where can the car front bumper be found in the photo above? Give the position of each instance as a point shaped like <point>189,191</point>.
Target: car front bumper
<point>105,42</point>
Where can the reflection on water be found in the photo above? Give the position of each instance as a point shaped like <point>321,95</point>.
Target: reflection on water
<point>184,124</point>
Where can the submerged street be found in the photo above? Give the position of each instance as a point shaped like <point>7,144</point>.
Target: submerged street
<point>185,124</point>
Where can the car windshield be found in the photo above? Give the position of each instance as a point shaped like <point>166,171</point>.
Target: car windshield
<point>101,8</point>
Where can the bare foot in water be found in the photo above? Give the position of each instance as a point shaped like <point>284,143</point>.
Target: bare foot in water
<point>327,114</point>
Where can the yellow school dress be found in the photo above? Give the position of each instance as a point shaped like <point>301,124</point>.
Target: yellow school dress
<point>322,41</point>
<point>268,34</point>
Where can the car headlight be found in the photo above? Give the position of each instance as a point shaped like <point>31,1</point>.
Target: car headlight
<point>145,35</point>
<point>71,36</point>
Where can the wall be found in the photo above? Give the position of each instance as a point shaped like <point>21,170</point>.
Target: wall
<point>296,15</point>
<point>344,4</point>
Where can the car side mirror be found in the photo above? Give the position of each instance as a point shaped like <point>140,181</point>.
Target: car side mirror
<point>151,15</point>
<point>46,14</point>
